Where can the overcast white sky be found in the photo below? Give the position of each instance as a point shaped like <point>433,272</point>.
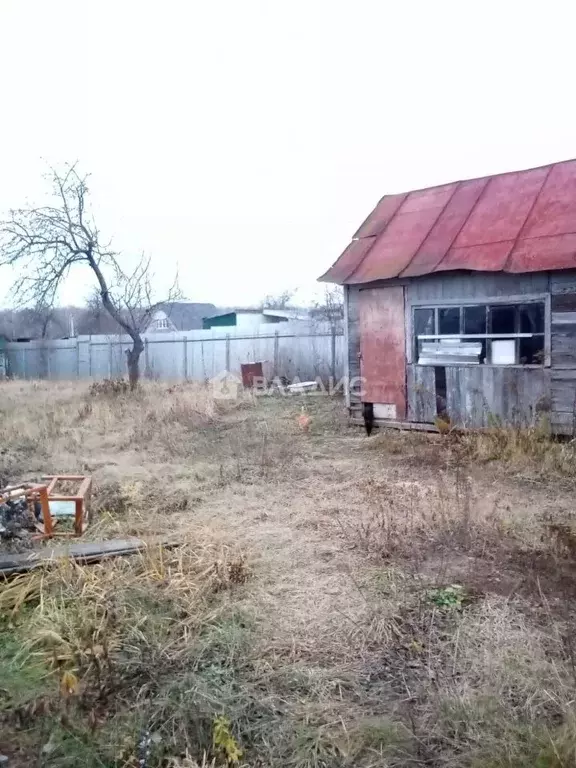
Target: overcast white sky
<point>244,141</point>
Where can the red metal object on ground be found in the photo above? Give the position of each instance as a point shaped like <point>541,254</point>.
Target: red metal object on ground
<point>513,222</point>
<point>382,348</point>
<point>252,374</point>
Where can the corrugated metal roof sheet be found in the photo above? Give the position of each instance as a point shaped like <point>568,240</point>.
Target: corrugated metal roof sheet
<point>523,221</point>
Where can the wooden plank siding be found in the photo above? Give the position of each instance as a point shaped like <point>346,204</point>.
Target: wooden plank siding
<point>563,346</point>
<point>480,396</point>
<point>563,352</point>
<point>353,351</point>
<point>421,390</point>
<point>563,331</point>
<point>475,285</point>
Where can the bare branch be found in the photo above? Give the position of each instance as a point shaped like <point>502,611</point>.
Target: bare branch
<point>46,242</point>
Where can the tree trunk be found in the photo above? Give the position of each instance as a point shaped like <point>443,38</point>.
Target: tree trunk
<point>133,362</point>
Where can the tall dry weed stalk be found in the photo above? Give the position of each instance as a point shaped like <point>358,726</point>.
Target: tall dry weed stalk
<point>528,448</point>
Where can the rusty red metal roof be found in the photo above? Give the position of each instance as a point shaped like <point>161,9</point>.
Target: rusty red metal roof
<point>523,221</point>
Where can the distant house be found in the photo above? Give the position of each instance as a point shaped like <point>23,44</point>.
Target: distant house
<point>188,315</point>
<point>160,323</point>
<point>246,319</point>
<point>460,303</point>
<point>179,316</point>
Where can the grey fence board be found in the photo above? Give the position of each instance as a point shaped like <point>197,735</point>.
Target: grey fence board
<point>291,350</point>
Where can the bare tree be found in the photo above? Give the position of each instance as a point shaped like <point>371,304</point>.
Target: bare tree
<point>280,301</point>
<point>331,308</point>
<point>46,242</point>
<point>94,319</point>
<point>39,322</point>
<point>41,317</point>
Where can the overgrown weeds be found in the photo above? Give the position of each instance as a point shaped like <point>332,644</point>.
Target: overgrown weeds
<point>476,684</point>
<point>98,653</point>
<point>527,448</point>
<point>109,388</point>
<point>404,519</point>
<point>531,450</point>
<point>430,625</point>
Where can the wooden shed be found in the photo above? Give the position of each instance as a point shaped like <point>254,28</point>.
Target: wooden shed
<point>460,301</point>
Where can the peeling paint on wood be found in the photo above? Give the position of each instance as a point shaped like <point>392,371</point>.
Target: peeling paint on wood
<point>382,345</point>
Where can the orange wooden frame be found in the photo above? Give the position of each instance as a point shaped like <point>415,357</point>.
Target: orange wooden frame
<point>81,499</point>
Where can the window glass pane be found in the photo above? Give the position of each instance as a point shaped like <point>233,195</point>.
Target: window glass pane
<point>423,321</point>
<point>449,320</point>
<point>474,319</point>
<point>532,351</point>
<point>423,325</point>
<point>531,318</point>
<point>503,319</point>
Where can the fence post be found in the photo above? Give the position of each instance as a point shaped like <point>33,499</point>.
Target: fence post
<point>227,361</point>
<point>146,360</point>
<point>185,357</point>
<point>276,353</point>
<point>109,359</point>
<point>333,356</point>
<point>24,372</point>
<point>48,366</point>
<point>90,357</point>
<point>77,360</point>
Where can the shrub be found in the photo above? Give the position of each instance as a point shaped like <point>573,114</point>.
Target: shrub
<point>109,388</point>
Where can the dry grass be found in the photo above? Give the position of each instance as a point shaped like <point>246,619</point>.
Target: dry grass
<point>106,646</point>
<point>531,449</point>
<point>338,601</point>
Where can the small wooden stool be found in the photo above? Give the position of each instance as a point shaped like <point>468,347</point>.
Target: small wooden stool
<point>80,499</point>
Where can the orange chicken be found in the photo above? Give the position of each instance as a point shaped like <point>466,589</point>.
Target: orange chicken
<point>304,420</point>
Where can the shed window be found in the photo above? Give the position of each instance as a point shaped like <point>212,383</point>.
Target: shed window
<point>424,324</point>
<point>476,334</point>
<point>474,319</point>
<point>503,319</point>
<point>449,320</point>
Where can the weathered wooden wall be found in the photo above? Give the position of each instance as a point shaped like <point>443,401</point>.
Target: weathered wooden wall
<point>477,395</point>
<point>563,351</point>
<point>481,395</point>
<point>352,338</point>
<point>421,391</point>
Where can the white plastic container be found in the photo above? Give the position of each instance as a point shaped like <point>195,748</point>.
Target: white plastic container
<point>504,352</point>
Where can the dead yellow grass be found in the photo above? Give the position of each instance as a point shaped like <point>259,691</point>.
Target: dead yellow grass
<point>340,601</point>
